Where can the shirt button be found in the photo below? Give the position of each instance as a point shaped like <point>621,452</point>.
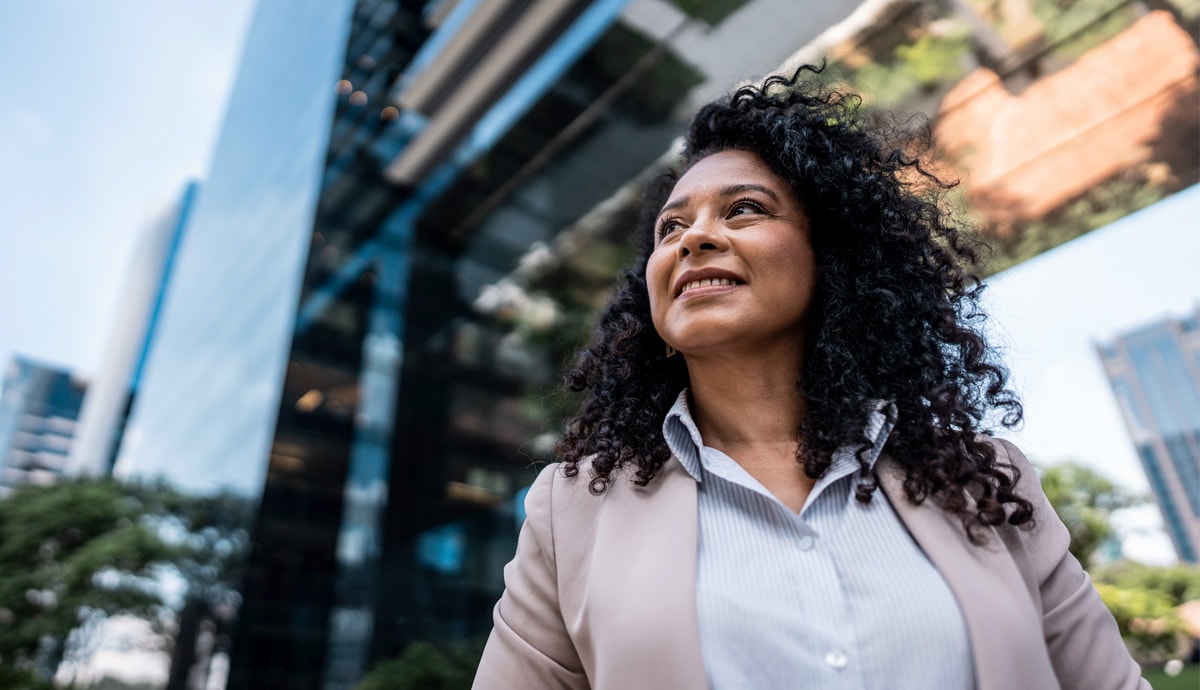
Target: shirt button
<point>837,659</point>
<point>806,543</point>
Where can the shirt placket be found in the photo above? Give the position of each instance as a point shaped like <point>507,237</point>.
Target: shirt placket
<point>834,648</point>
<point>822,513</point>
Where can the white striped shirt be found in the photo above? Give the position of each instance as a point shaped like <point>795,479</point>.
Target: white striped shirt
<point>837,597</point>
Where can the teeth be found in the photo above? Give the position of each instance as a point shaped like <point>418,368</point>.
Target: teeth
<point>708,282</point>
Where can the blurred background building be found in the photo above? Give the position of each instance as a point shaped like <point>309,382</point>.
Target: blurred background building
<point>39,409</point>
<point>356,326</point>
<point>318,351</point>
<point>111,393</point>
<point>1155,374</point>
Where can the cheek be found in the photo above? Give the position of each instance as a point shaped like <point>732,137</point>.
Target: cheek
<point>658,279</point>
<point>804,264</point>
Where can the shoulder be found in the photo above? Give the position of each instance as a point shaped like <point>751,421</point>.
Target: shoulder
<point>1044,541</point>
<point>557,498</point>
<point>577,530</point>
<point>554,490</point>
<point>1010,458</point>
<point>561,492</point>
<point>1081,636</point>
<point>565,509</point>
<point>1027,483</point>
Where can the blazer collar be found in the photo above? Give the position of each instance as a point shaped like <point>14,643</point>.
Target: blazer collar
<point>657,528</point>
<point>986,584</point>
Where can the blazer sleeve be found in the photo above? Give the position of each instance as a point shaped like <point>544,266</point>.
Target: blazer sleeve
<point>529,646</point>
<point>1081,635</point>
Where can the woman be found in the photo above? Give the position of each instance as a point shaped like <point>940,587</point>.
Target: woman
<point>778,478</point>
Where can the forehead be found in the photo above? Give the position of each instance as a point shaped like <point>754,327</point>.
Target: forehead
<point>719,170</point>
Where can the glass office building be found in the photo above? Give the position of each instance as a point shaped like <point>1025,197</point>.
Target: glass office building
<point>39,411</point>
<point>342,346</point>
<point>113,389</point>
<point>1155,374</point>
<point>412,211</point>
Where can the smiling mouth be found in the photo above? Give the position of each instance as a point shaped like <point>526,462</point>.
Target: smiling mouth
<point>707,283</point>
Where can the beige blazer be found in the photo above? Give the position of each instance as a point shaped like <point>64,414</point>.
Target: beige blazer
<point>601,593</point>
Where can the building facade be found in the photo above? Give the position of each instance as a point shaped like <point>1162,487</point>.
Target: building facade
<point>39,410</point>
<point>324,353</point>
<point>1155,374</point>
<point>113,389</point>
<point>412,211</point>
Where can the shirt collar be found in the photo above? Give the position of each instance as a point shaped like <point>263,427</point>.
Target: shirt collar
<point>683,438</point>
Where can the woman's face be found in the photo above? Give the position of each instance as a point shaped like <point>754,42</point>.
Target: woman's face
<point>732,265</point>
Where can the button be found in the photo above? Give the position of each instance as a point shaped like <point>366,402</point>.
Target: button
<point>837,659</point>
<point>806,543</point>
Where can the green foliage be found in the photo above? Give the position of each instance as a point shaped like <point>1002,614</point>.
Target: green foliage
<point>920,66</point>
<point>1128,605</point>
<point>66,547</point>
<point>934,59</point>
<point>1084,501</point>
<point>1077,26</point>
<point>1143,599</point>
<point>1149,624</point>
<point>88,548</point>
<point>1178,583</point>
<point>1099,206</point>
<point>15,679</point>
<point>427,666</point>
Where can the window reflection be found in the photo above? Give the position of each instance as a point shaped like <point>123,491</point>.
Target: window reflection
<point>369,360</point>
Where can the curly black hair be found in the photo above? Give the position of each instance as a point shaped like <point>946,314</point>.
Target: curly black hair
<point>894,315</point>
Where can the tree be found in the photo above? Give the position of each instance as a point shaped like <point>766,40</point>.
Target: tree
<point>1144,600</point>
<point>64,550</point>
<point>427,666</point>
<point>77,551</point>
<point>1149,624</point>
<point>1141,598</point>
<point>1085,501</point>
<point>1178,584</point>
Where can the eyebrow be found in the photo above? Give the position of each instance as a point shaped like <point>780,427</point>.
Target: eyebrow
<point>731,190</point>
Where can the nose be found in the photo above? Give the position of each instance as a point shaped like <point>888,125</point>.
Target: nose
<point>703,235</point>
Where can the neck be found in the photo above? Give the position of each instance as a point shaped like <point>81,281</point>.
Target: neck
<point>747,402</point>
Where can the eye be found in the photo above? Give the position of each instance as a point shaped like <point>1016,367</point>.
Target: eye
<point>667,226</point>
<point>743,206</point>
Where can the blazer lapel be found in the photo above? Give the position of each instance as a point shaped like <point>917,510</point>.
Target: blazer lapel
<point>987,585</point>
<point>643,585</point>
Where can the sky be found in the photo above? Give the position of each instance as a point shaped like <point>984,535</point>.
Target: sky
<point>1048,313</point>
<point>108,109</point>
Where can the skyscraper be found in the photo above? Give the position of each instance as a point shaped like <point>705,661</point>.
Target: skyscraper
<point>114,387</point>
<point>318,354</point>
<point>1155,374</point>
<point>357,332</point>
<point>39,406</point>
